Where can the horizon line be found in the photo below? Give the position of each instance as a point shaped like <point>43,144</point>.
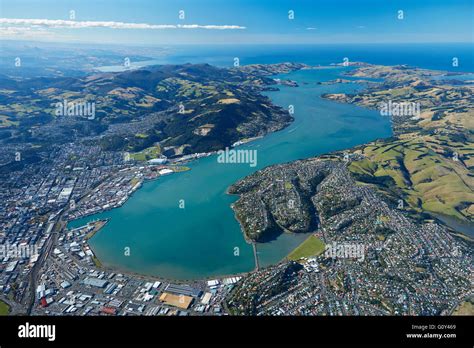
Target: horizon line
<point>234,43</point>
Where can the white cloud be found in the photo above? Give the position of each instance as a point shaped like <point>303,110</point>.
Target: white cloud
<point>311,28</point>
<point>59,23</point>
<point>25,33</point>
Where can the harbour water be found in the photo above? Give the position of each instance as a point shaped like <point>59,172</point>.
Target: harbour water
<point>464,227</point>
<point>203,239</point>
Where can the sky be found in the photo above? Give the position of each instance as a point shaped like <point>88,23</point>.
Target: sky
<point>150,22</point>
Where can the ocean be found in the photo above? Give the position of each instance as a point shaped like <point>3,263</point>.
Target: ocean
<point>428,56</point>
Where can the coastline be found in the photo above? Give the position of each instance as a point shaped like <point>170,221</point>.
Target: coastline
<point>464,228</point>
<point>192,157</point>
<point>409,129</point>
<point>99,224</point>
<point>247,240</point>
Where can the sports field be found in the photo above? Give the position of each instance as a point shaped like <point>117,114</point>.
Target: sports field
<point>312,246</point>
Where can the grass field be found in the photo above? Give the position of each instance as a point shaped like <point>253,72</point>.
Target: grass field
<point>97,262</point>
<point>4,308</point>
<point>312,246</point>
<point>147,154</point>
<point>429,160</point>
<point>465,308</point>
<point>425,175</point>
<point>6,122</point>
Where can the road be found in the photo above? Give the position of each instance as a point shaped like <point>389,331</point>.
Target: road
<point>255,254</point>
<point>29,301</point>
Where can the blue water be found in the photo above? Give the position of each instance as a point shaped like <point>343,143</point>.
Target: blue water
<point>428,56</point>
<point>201,240</point>
<point>463,77</point>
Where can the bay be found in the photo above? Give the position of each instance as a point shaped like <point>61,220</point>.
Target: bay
<point>204,239</point>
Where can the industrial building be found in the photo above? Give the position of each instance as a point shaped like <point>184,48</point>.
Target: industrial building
<point>95,282</point>
<point>180,301</point>
<point>183,290</point>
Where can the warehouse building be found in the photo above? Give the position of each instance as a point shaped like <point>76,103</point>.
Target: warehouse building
<point>95,282</point>
<point>180,301</point>
<point>183,290</point>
